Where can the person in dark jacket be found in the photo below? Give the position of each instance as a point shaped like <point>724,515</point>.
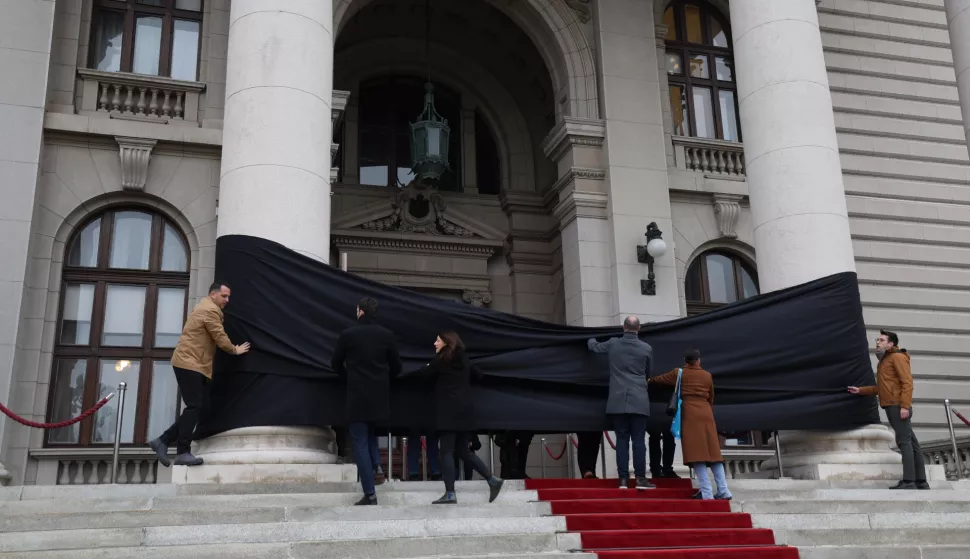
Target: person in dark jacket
<point>631,361</point>
<point>366,357</point>
<point>452,373</point>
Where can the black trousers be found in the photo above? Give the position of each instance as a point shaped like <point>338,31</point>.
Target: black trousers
<point>661,461</point>
<point>194,388</point>
<point>514,455</point>
<point>456,444</point>
<point>914,467</point>
<point>588,451</point>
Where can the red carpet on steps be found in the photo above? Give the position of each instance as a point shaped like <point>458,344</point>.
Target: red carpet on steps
<point>661,523</point>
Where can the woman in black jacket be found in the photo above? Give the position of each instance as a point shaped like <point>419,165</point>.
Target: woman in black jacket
<point>452,372</point>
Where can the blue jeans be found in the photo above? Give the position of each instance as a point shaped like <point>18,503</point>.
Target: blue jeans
<point>720,479</point>
<point>362,434</point>
<point>374,450</point>
<point>630,426</point>
<point>414,453</point>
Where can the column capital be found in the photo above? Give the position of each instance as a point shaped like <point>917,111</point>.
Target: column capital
<point>573,131</point>
<point>477,298</point>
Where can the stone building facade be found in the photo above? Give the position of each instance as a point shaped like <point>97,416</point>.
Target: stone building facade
<point>771,142</point>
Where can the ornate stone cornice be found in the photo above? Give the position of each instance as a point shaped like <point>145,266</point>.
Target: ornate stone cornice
<point>386,242</point>
<point>571,175</point>
<point>135,155</point>
<point>477,298</point>
<point>581,7</point>
<point>580,204</point>
<point>727,212</point>
<point>573,131</point>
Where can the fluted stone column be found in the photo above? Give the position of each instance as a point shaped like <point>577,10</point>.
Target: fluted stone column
<point>794,177</point>
<point>276,185</point>
<point>958,22</point>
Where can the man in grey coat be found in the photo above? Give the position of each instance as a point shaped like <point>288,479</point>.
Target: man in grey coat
<point>628,406</point>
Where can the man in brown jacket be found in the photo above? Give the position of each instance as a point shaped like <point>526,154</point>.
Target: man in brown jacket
<point>192,362</point>
<point>894,386</point>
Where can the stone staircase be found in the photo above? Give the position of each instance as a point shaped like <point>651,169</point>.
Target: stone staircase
<point>858,520</point>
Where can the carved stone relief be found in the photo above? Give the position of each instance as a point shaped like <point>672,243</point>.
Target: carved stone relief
<point>477,298</point>
<point>581,7</point>
<point>418,209</point>
<point>727,212</point>
<point>135,155</point>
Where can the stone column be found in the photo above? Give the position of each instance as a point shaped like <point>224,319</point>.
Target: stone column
<point>794,176</point>
<point>275,185</point>
<point>958,21</point>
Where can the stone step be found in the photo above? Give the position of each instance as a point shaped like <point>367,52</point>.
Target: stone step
<point>225,514</point>
<point>808,484</point>
<point>277,532</point>
<point>899,535</point>
<point>509,546</point>
<point>849,495</point>
<point>848,507</point>
<point>870,521</point>
<point>886,552</point>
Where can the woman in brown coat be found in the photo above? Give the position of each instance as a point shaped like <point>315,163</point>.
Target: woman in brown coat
<point>699,440</point>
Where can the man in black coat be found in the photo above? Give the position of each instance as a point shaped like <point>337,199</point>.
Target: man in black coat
<point>366,357</point>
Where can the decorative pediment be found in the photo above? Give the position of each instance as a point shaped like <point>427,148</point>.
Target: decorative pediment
<point>420,210</point>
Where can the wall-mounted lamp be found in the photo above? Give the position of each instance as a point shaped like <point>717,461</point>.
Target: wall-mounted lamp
<point>655,248</point>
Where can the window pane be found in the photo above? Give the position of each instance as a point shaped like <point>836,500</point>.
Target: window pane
<point>729,117</point>
<point>131,240</point>
<point>168,321</point>
<point>739,438</point>
<point>693,286</point>
<point>671,25</point>
<point>152,2</point>
<point>110,374</point>
<point>748,287</point>
<point>192,5</point>
<point>76,319</point>
<point>124,316</point>
<point>373,158</point>
<point>402,159</point>
<point>724,67</point>
<point>148,45</point>
<point>185,50</point>
<point>108,35</point>
<point>692,17</point>
<point>678,107</point>
<point>173,252</point>
<point>699,66</point>
<point>84,249</point>
<point>164,404</point>
<point>68,399</point>
<point>718,36</point>
<point>720,279</point>
<point>675,64</point>
<point>703,113</point>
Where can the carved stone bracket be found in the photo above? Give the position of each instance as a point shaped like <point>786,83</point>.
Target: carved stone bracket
<point>477,298</point>
<point>135,155</point>
<point>581,7</point>
<point>727,212</point>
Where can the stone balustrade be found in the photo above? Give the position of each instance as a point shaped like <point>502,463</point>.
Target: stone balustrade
<point>940,452</point>
<point>139,97</point>
<point>717,158</point>
<point>738,462</point>
<point>92,466</point>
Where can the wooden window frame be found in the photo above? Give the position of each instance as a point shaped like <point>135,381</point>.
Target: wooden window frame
<point>131,9</point>
<point>682,48</point>
<point>738,264</point>
<point>94,352</point>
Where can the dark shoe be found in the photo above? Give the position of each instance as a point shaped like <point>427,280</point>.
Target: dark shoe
<point>669,474</point>
<point>656,474</point>
<point>904,485</point>
<point>187,459</point>
<point>922,485</point>
<point>344,460</point>
<point>494,488</point>
<point>161,450</point>
<point>366,500</point>
<point>446,499</point>
<point>589,475</point>
<point>724,497</point>
<point>644,483</point>
<point>435,477</point>
<point>414,477</point>
<point>624,482</point>
<point>697,495</point>
<point>379,478</point>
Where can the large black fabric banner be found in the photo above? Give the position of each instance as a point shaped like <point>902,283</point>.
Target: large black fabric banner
<point>780,361</point>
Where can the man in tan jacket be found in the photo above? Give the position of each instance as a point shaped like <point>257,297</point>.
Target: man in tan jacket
<point>894,386</point>
<point>192,361</point>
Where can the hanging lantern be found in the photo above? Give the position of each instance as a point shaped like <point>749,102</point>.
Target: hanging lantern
<point>429,140</point>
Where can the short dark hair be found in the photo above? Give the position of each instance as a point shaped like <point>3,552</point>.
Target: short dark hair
<point>691,356</point>
<point>368,305</point>
<point>891,336</point>
<point>631,324</point>
<point>217,286</point>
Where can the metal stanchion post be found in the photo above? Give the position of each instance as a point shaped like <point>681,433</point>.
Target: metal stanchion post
<point>122,389</point>
<point>781,467</point>
<point>491,454</point>
<point>542,459</point>
<point>570,471</point>
<point>404,461</point>
<point>603,444</point>
<point>390,458</point>
<point>424,459</point>
<point>957,459</point>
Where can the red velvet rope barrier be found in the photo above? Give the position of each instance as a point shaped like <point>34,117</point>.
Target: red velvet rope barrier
<point>59,424</point>
<point>960,415</point>
<point>609,440</point>
<point>561,453</point>
<point>575,444</point>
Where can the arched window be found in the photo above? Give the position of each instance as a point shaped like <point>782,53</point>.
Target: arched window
<point>700,70</point>
<point>717,278</point>
<point>123,301</point>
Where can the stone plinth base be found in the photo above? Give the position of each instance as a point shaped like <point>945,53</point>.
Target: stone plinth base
<point>846,472</point>
<point>263,473</point>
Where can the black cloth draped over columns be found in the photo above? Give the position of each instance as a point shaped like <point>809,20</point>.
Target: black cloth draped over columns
<point>780,360</point>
